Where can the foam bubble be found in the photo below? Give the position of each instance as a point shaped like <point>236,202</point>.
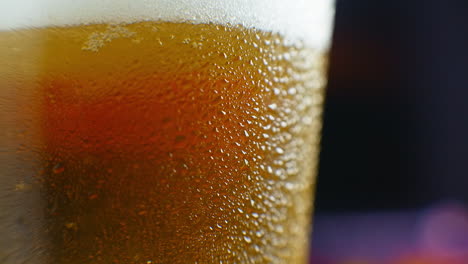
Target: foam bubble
<point>309,20</point>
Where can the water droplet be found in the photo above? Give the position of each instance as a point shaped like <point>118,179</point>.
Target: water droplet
<point>196,45</point>
<point>256,248</point>
<point>71,225</point>
<point>280,173</point>
<point>259,233</point>
<point>22,187</point>
<point>142,213</point>
<point>273,106</point>
<point>279,229</point>
<point>292,91</point>
<point>269,169</point>
<point>290,186</point>
<point>58,168</point>
<point>247,239</point>
<point>279,150</point>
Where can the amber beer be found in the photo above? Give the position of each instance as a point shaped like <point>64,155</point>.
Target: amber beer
<point>157,142</point>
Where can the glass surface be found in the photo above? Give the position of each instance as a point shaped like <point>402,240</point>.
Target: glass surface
<point>159,131</point>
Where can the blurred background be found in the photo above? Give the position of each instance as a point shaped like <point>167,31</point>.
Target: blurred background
<point>393,178</point>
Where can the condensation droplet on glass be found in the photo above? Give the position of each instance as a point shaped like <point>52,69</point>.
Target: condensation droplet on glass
<point>273,106</point>
<point>292,91</point>
<point>259,233</point>
<point>289,186</point>
<point>279,150</point>
<point>71,225</point>
<point>256,248</point>
<point>22,186</point>
<point>280,173</point>
<point>58,168</point>
<point>279,229</point>
<point>269,169</point>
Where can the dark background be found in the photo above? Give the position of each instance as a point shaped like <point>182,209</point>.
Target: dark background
<point>396,116</point>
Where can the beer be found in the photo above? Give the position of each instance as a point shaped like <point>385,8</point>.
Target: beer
<point>157,142</point>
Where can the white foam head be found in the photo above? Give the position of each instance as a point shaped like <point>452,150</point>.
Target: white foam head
<point>308,20</point>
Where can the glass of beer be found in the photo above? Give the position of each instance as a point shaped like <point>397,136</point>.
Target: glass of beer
<point>157,131</point>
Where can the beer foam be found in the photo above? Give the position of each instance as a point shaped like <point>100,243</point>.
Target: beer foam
<point>308,20</point>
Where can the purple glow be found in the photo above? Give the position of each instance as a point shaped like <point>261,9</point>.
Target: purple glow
<point>436,236</point>
<point>444,231</point>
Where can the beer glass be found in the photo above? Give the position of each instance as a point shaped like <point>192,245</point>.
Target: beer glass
<point>157,131</point>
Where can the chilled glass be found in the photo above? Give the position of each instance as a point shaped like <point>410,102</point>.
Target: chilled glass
<point>157,131</point>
